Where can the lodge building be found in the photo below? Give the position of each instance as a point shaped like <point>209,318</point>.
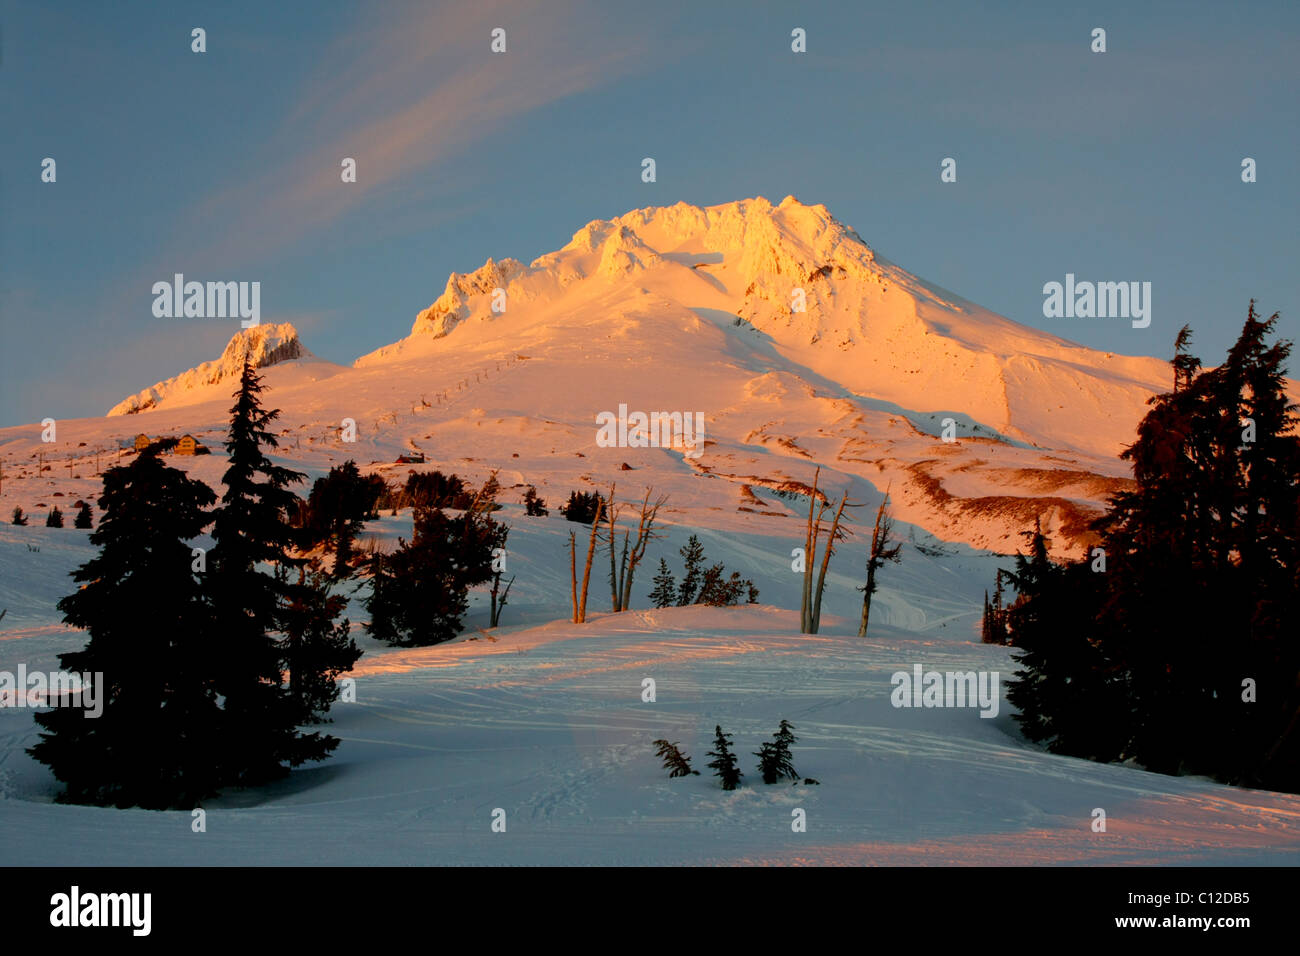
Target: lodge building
<point>187,444</point>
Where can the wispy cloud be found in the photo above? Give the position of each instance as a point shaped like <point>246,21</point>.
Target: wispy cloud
<point>399,98</point>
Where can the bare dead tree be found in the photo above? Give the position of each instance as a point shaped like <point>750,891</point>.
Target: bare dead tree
<point>881,551</point>
<point>644,533</point>
<point>837,533</point>
<point>616,584</point>
<point>573,576</point>
<point>581,617</point>
<point>810,606</point>
<point>499,603</point>
<point>817,504</point>
<point>611,515</point>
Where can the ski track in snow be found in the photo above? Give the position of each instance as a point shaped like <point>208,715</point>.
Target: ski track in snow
<point>547,723</point>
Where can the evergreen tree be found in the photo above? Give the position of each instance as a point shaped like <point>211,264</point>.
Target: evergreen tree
<point>724,763</point>
<point>150,651</point>
<point>665,586</point>
<point>1051,623</point>
<point>251,531</point>
<point>487,496</point>
<point>18,516</point>
<point>880,552</point>
<point>717,591</point>
<point>337,507</point>
<point>534,506</point>
<point>55,518</point>
<point>774,762</point>
<point>316,646</point>
<point>420,591</point>
<point>433,489</point>
<point>83,519</point>
<point>693,554</point>
<point>581,507</point>
<point>675,761</point>
<point>380,603</point>
<point>1119,661</point>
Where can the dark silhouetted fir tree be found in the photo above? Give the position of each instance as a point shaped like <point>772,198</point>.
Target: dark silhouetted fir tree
<point>534,506</point>
<point>665,586</point>
<point>253,537</point>
<point>724,763</point>
<point>774,760</point>
<point>677,763</point>
<point>419,593</point>
<point>316,646</point>
<point>151,648</point>
<point>693,555</point>
<point>336,509</point>
<point>1182,654</point>
<point>581,507</point>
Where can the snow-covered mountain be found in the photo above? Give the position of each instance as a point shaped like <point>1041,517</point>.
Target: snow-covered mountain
<point>797,343</point>
<point>867,325</point>
<point>261,345</point>
<point>685,310</point>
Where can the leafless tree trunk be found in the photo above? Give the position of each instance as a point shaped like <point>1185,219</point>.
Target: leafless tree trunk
<point>573,575</point>
<point>591,553</point>
<point>611,514</point>
<point>644,532</point>
<point>622,573</point>
<point>497,605</point>
<point>810,555</point>
<point>836,534</point>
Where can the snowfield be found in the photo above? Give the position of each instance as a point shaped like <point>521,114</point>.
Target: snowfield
<point>547,723</point>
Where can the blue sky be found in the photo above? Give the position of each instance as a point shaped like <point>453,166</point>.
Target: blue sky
<point>225,165</point>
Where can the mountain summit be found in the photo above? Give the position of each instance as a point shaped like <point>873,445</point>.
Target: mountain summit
<point>796,345</point>
<point>261,345</point>
<point>821,297</point>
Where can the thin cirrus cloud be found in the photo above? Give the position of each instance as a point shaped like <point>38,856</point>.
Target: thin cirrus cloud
<point>401,93</point>
<point>415,93</point>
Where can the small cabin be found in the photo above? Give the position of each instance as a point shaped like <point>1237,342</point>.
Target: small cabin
<point>185,445</point>
<point>415,458</point>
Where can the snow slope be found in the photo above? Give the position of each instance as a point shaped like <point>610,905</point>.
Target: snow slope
<point>261,345</point>
<point>546,722</point>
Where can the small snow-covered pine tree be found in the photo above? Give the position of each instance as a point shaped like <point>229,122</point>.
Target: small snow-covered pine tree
<point>665,590</point>
<point>693,555</point>
<point>774,761</point>
<point>677,763</point>
<point>724,765</point>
